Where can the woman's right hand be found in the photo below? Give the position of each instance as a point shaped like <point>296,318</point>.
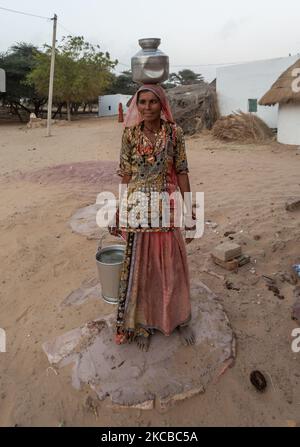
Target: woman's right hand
<point>114,230</point>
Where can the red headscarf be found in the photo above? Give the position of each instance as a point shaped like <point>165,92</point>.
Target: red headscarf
<point>133,116</point>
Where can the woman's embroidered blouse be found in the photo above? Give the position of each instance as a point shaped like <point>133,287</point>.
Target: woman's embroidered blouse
<point>152,168</point>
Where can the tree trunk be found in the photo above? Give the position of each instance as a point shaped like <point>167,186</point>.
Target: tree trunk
<point>58,110</point>
<point>37,109</point>
<point>76,108</point>
<point>15,109</point>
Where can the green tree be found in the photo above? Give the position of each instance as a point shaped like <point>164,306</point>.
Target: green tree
<point>186,77</point>
<point>18,62</point>
<point>123,84</point>
<point>82,72</point>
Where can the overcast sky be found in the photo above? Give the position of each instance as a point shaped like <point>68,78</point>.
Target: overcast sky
<point>194,33</point>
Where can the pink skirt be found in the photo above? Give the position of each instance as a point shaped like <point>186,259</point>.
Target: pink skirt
<point>154,289</point>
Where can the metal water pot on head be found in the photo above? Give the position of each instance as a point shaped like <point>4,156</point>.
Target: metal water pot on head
<point>150,65</point>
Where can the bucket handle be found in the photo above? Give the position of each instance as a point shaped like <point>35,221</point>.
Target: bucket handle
<point>101,240</point>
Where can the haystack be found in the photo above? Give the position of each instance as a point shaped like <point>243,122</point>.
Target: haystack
<point>243,127</point>
<point>194,107</point>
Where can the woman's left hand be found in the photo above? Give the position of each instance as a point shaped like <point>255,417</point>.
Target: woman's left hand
<point>193,228</point>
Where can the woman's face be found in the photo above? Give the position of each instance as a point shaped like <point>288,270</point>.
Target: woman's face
<point>149,106</point>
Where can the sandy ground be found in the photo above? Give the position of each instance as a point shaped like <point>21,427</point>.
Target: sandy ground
<point>245,190</point>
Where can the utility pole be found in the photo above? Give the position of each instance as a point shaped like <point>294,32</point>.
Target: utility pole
<point>50,95</point>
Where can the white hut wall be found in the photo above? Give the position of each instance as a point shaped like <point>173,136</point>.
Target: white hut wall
<point>289,124</point>
<point>236,84</point>
<point>2,81</point>
<point>109,104</point>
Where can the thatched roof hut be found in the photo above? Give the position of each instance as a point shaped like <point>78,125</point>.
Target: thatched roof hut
<point>282,91</point>
<point>286,92</point>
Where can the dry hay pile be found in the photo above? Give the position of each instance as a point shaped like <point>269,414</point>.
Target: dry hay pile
<point>243,127</point>
<point>194,107</point>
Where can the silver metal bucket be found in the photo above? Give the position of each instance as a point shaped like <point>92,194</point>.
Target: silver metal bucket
<point>109,262</point>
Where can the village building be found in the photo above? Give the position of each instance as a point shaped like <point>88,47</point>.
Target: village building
<point>2,81</point>
<point>109,104</point>
<point>285,93</point>
<point>239,87</point>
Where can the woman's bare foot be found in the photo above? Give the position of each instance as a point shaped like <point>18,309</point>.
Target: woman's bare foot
<point>143,342</point>
<point>186,335</point>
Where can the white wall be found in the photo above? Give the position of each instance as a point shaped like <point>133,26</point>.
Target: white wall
<point>289,124</point>
<point>2,80</point>
<point>109,104</point>
<point>238,83</point>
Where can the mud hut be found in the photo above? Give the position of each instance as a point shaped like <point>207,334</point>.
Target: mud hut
<point>286,93</point>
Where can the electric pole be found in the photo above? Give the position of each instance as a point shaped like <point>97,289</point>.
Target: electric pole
<point>50,95</point>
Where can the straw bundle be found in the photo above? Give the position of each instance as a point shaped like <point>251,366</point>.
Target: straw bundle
<point>194,107</point>
<point>243,127</point>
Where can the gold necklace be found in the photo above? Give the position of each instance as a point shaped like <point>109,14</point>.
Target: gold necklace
<point>155,132</point>
<point>152,131</point>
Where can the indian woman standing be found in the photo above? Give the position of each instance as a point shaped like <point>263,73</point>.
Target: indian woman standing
<point>154,291</point>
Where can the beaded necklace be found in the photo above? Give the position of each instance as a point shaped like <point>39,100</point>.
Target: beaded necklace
<point>148,151</point>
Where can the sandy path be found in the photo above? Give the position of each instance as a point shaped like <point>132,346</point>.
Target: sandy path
<point>42,261</point>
